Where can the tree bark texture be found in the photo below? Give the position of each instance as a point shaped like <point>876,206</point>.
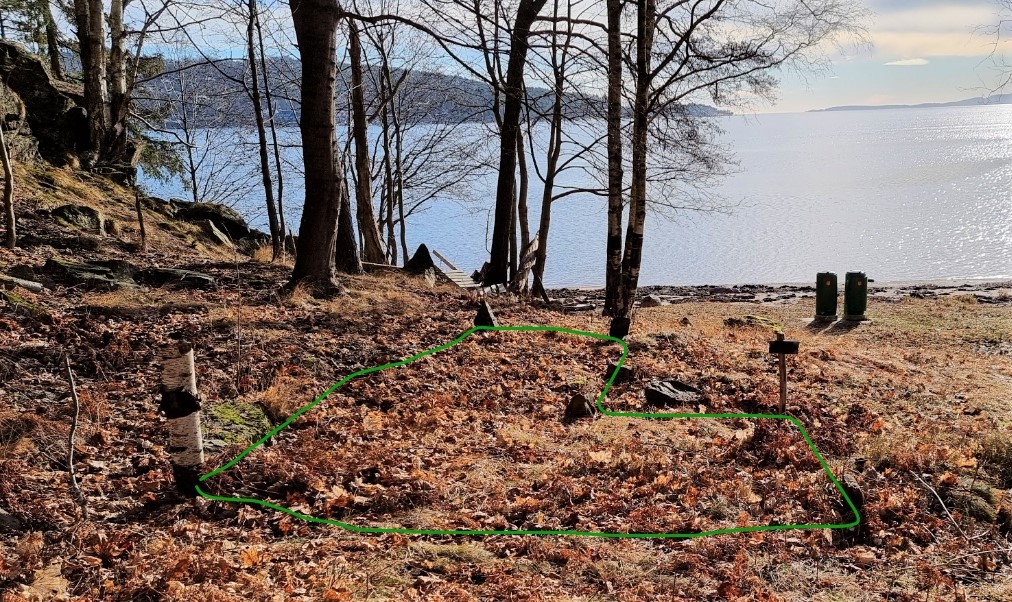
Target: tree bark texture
<point>52,41</point>
<point>372,243</point>
<point>348,259</point>
<point>316,24</point>
<point>527,12</point>
<point>613,264</point>
<point>89,17</point>
<point>181,405</point>
<point>258,116</point>
<point>119,99</point>
<point>10,238</point>
<point>633,253</point>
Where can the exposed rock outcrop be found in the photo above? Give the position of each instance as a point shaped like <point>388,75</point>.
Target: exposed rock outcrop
<point>54,110</point>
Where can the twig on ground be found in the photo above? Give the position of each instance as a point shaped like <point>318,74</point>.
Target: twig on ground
<point>939,498</point>
<point>70,443</point>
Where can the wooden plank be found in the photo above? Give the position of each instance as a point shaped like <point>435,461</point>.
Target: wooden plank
<point>444,260</point>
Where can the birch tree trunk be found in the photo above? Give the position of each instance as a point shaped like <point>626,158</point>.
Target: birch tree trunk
<point>633,253</point>
<point>181,405</point>
<point>119,100</point>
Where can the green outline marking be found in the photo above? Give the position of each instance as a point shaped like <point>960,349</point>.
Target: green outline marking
<point>600,407</point>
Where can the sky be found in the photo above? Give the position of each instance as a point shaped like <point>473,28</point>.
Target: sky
<point>918,51</point>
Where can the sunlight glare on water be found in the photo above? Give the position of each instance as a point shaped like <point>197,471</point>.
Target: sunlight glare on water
<point>905,194</point>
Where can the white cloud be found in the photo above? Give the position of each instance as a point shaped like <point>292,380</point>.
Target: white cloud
<point>908,63</point>
<point>933,29</point>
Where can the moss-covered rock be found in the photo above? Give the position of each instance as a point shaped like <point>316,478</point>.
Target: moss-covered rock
<point>236,422</point>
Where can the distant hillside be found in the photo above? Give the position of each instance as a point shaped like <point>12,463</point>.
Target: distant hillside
<point>426,97</point>
<point>999,99</point>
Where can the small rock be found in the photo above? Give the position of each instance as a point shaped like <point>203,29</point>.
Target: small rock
<point>224,219</point>
<point>89,242</point>
<point>579,407</point>
<point>178,278</point>
<point>24,272</point>
<point>671,392</point>
<point>79,216</point>
<point>108,275</point>
<point>686,321</point>
<point>213,234</point>
<point>9,522</point>
<point>248,245</point>
<point>626,372</point>
<point>651,301</point>
<point>853,490</point>
<point>110,227</point>
<point>429,275</point>
<point>485,316</point>
<point>750,321</point>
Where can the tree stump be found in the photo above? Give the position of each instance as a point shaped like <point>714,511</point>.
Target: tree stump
<point>181,404</point>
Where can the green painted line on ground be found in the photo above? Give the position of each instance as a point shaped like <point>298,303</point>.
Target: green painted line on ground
<point>600,407</point>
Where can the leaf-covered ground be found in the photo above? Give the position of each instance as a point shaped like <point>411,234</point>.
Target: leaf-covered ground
<point>910,406</point>
<point>472,438</point>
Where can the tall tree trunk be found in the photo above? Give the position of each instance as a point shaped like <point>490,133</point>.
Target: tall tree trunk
<point>522,221</point>
<point>316,24</point>
<point>184,120</point>
<point>388,168</point>
<point>372,244</point>
<point>633,253</point>
<point>269,96</point>
<point>10,239</point>
<point>258,116</point>
<point>513,236</point>
<point>347,258</point>
<point>554,152</point>
<point>527,12</point>
<point>91,37</point>
<point>52,41</point>
<point>116,141</point>
<point>399,183</point>
<point>613,265</point>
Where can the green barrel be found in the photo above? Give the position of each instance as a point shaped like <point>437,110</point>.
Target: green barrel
<point>826,292</point>
<point>855,296</point>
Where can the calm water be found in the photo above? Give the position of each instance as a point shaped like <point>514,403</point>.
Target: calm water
<point>900,194</point>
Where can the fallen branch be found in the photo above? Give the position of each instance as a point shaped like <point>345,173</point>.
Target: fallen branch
<point>939,498</point>
<point>70,444</point>
<point>35,287</point>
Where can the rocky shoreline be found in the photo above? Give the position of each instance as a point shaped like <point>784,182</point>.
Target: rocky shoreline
<point>993,292</point>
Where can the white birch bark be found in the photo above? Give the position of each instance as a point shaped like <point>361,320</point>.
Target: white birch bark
<point>181,404</point>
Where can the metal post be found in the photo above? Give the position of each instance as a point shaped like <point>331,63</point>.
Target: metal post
<point>782,349</point>
<point>783,377</point>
